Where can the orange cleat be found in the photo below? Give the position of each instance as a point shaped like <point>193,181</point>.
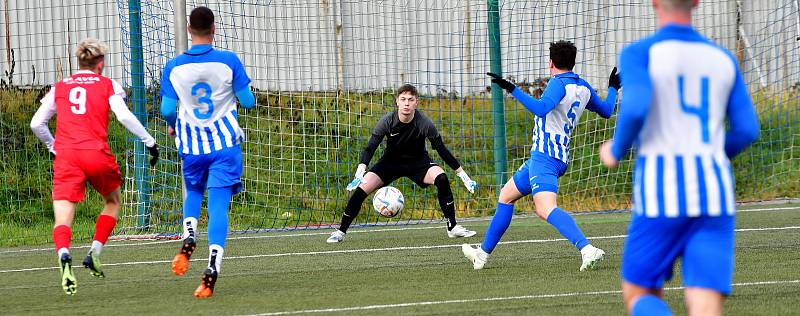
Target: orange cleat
<point>180,263</point>
<point>206,288</point>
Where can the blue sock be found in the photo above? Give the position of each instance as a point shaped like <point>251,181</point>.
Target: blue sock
<point>650,305</point>
<point>498,226</point>
<point>191,206</point>
<point>218,201</point>
<point>566,225</point>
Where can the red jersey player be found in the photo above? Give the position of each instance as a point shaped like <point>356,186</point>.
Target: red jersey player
<point>82,102</point>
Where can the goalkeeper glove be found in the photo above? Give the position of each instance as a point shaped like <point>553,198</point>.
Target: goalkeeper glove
<point>153,154</point>
<point>613,80</point>
<point>505,84</point>
<point>470,184</point>
<point>358,178</point>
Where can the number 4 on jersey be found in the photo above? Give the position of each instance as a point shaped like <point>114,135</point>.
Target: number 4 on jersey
<point>700,111</point>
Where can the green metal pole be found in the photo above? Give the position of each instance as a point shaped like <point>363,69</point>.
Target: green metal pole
<point>139,100</point>
<point>498,109</point>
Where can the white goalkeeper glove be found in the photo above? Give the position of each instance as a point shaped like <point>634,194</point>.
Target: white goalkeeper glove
<point>358,178</point>
<point>470,184</point>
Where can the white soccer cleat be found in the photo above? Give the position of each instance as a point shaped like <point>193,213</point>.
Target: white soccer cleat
<point>591,256</point>
<point>460,231</point>
<point>477,256</point>
<point>335,237</point>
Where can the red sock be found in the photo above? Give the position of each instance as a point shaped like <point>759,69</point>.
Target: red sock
<point>61,236</point>
<point>103,228</point>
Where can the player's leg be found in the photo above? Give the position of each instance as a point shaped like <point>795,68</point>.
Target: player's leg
<point>69,187</point>
<point>105,224</point>
<point>708,265</point>
<point>219,199</point>
<point>547,209</point>
<point>64,212</point>
<point>103,173</point>
<point>380,174</point>
<point>543,177</point>
<point>436,176</point>
<point>371,182</point>
<point>644,301</point>
<point>224,180</point>
<point>648,255</point>
<point>516,188</point>
<point>700,301</point>
<point>195,173</point>
<point>191,212</point>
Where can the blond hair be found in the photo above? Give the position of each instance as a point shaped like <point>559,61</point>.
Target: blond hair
<point>90,51</point>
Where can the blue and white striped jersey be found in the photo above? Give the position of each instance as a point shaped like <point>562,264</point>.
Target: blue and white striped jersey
<point>679,89</point>
<point>560,109</point>
<point>205,80</point>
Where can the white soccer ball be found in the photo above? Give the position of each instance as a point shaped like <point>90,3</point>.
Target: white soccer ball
<point>388,201</point>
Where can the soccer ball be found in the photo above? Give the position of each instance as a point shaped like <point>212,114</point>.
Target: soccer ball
<point>388,201</point>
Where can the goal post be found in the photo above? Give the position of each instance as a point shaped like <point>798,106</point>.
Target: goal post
<point>324,72</point>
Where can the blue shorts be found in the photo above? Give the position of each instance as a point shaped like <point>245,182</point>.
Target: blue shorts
<point>540,173</point>
<point>705,245</point>
<point>218,169</point>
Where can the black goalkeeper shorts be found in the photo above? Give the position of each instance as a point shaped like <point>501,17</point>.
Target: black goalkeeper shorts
<point>414,169</point>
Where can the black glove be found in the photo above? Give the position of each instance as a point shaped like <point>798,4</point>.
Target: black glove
<point>505,84</point>
<point>153,155</point>
<point>613,80</point>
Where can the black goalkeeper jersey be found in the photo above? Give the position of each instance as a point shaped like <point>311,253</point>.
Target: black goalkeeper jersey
<point>406,141</point>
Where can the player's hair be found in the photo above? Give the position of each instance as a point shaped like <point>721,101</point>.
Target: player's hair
<point>407,88</point>
<point>201,20</point>
<point>563,53</point>
<point>680,5</point>
<point>89,52</point>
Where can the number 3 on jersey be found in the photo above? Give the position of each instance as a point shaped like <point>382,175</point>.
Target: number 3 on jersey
<point>700,111</point>
<point>205,99</point>
<point>77,96</point>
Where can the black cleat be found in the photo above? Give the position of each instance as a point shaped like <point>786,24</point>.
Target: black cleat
<point>206,288</point>
<point>181,261</point>
<point>92,263</point>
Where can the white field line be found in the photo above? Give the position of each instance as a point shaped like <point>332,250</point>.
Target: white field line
<point>368,250</point>
<point>492,299</point>
<point>325,233</point>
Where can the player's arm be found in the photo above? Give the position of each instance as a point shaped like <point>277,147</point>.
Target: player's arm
<point>169,108</point>
<point>241,85</point>
<point>743,122</point>
<point>633,107</point>
<point>369,150</point>
<point>132,124</point>
<point>437,143</point>
<point>40,119</point>
<point>169,98</point>
<point>605,108</point>
<point>553,93</point>
<point>366,155</point>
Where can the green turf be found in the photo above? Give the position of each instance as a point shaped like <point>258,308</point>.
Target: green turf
<point>256,280</point>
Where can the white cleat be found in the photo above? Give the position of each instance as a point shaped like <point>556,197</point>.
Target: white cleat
<point>477,256</point>
<point>335,237</point>
<point>460,231</point>
<point>591,257</point>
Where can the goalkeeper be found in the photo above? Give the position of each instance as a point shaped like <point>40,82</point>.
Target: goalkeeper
<point>556,114</point>
<point>405,130</point>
